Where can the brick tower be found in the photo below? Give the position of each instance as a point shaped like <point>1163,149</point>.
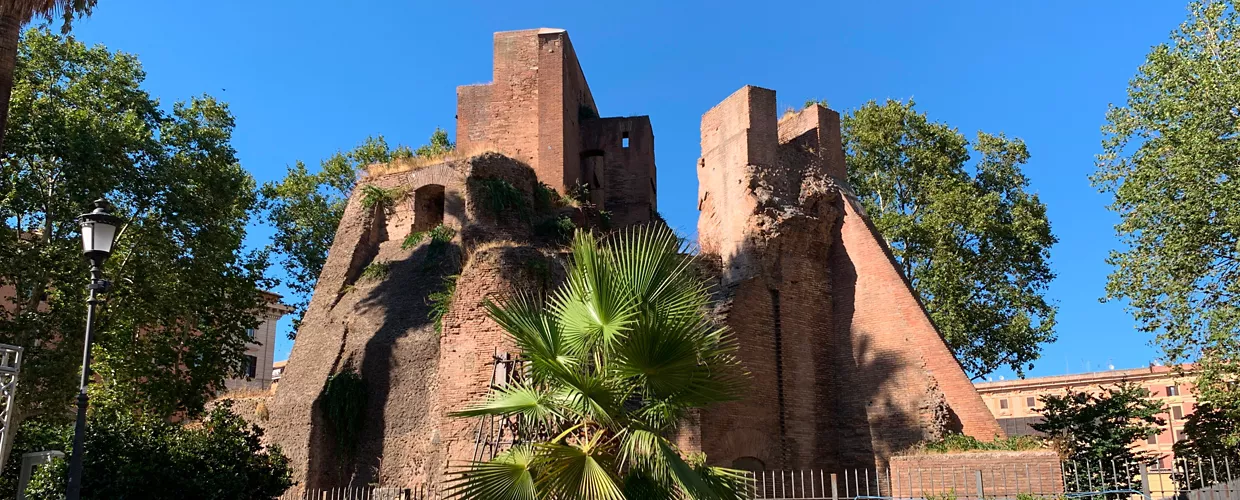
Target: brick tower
<point>846,366</point>
<point>535,123</point>
<point>538,110</point>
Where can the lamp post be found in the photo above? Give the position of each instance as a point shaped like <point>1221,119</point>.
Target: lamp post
<point>98,234</point>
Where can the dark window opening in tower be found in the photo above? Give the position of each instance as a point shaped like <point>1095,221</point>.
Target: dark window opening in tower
<point>427,207</point>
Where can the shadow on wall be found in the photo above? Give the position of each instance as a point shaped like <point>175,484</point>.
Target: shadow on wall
<point>403,350</point>
<point>883,404</point>
<point>824,393</point>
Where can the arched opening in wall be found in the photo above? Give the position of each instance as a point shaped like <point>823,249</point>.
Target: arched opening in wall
<point>750,464</point>
<point>427,207</point>
<point>592,174</point>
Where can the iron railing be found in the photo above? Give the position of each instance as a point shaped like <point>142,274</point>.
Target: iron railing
<point>1183,479</point>
<point>361,493</point>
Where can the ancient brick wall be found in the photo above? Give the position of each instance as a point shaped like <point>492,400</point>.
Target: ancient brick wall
<point>470,339</point>
<point>619,164</point>
<point>1001,474</point>
<point>382,328</point>
<point>896,356</point>
<point>531,110</point>
<point>846,367</point>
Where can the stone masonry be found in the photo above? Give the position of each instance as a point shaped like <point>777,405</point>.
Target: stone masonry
<point>846,366</point>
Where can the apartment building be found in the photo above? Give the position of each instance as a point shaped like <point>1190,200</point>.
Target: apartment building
<point>257,373</point>
<point>1016,403</point>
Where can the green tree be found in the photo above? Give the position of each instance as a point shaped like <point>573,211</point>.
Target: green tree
<point>305,209</point>
<point>1170,161</point>
<point>615,360</point>
<point>173,327</point>
<point>1212,432</point>
<point>1089,428</point>
<point>13,15</point>
<point>970,238</point>
<point>133,455</point>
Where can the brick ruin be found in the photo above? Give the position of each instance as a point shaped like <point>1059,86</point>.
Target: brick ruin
<point>846,366</point>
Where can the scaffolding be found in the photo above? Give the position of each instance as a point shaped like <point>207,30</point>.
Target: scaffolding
<point>10,366</point>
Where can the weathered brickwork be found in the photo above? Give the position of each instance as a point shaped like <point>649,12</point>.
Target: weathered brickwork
<point>618,162</point>
<point>846,368</point>
<point>1002,474</point>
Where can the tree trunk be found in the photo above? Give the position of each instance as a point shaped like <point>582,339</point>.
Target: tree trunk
<point>10,29</point>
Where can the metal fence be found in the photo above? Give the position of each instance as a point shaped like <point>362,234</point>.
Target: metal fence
<point>361,493</point>
<point>1183,479</point>
<point>936,483</point>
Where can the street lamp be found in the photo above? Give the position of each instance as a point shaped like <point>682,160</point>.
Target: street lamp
<point>98,234</point>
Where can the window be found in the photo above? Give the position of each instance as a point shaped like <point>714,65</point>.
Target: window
<point>250,333</point>
<point>1003,404</point>
<point>1173,390</point>
<point>250,366</point>
<point>624,140</point>
<point>1179,435</point>
<point>428,207</point>
<point>1152,439</point>
<point>1031,402</point>
<point>1177,412</point>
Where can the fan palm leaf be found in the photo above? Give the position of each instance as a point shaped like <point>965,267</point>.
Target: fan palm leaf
<point>617,357</point>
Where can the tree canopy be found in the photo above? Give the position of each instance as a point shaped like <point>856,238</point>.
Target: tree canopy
<point>305,208</point>
<point>173,328</point>
<point>972,239</point>
<point>1171,156</point>
<point>1089,426</point>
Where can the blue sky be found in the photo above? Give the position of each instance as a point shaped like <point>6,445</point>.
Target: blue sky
<point>307,78</point>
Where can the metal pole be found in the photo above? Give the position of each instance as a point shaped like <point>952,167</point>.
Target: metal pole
<point>79,429</point>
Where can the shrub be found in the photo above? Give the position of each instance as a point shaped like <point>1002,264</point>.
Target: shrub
<point>580,195</point>
<point>546,198</point>
<point>441,301</point>
<point>500,197</point>
<point>557,229</point>
<point>957,443</point>
<point>373,196</point>
<point>344,406</point>
<point>376,270</point>
<point>130,455</point>
<point>413,239</point>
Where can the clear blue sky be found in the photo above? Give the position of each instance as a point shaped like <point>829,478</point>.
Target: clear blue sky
<point>307,78</point>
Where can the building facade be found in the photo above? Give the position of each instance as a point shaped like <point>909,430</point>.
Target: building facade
<point>257,368</point>
<point>1017,403</point>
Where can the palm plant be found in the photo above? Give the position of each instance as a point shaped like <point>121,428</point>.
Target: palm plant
<point>614,360</point>
<point>15,13</point>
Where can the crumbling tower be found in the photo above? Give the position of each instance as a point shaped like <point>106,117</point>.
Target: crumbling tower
<point>846,366</point>
<point>538,110</point>
<point>536,123</point>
